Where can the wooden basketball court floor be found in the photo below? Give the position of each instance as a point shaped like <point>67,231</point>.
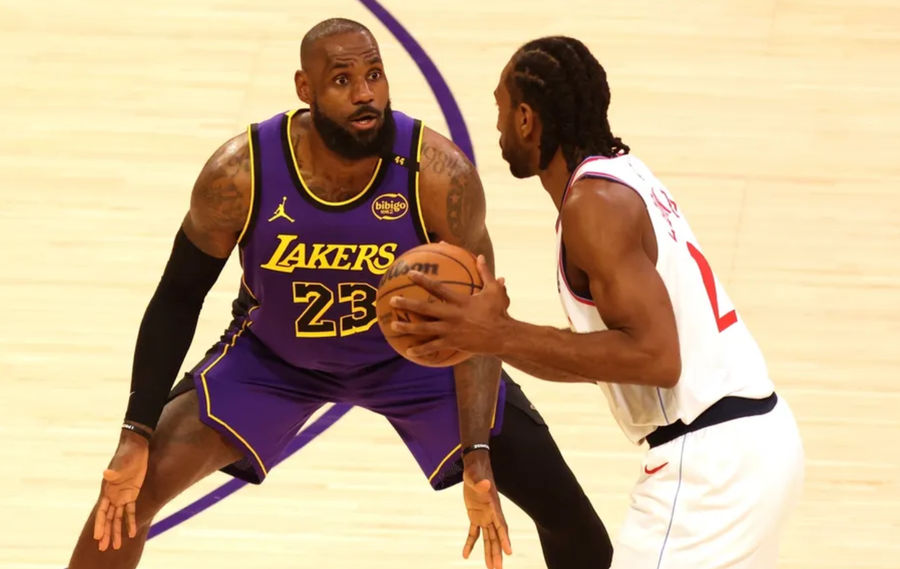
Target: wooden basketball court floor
<point>775,123</point>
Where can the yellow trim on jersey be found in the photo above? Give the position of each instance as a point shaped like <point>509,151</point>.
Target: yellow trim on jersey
<point>446,458</point>
<point>249,312</point>
<point>418,197</point>
<point>246,286</point>
<point>209,403</point>
<point>457,447</point>
<point>303,182</point>
<point>252,185</point>
<point>243,274</point>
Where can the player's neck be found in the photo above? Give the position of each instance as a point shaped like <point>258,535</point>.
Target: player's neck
<point>316,159</point>
<point>555,178</point>
<point>326,163</point>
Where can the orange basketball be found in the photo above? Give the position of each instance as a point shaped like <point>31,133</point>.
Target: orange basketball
<point>451,265</point>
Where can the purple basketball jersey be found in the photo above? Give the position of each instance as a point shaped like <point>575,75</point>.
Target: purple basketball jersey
<point>313,266</point>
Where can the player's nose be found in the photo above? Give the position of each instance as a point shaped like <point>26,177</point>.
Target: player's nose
<point>362,93</point>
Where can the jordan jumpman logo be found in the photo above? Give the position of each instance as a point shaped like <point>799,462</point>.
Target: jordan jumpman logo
<point>279,212</point>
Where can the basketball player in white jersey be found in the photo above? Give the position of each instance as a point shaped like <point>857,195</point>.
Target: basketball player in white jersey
<point>650,324</point>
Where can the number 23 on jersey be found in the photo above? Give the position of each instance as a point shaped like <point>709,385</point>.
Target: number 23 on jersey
<point>358,299</point>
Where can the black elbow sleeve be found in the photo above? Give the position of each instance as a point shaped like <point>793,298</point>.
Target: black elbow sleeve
<point>189,274</point>
<point>168,327</point>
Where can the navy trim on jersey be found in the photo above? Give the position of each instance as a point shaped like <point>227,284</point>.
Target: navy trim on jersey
<point>725,409</point>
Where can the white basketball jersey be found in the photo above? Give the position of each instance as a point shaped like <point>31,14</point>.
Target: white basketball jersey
<point>719,357</point>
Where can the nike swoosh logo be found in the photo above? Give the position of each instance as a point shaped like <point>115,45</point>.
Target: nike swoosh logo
<point>655,470</point>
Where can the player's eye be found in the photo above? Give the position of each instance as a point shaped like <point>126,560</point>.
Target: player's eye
<point>342,80</point>
<point>375,75</point>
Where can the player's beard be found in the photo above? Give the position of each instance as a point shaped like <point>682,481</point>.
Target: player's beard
<point>518,160</point>
<point>513,151</point>
<point>356,145</point>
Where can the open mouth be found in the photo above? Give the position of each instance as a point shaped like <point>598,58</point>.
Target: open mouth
<point>364,121</point>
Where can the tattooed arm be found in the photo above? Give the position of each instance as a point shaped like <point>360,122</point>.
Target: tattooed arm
<point>453,208</point>
<point>220,201</point>
<point>219,206</point>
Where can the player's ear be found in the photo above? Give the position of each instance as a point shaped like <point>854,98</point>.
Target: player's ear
<point>301,82</point>
<point>525,120</point>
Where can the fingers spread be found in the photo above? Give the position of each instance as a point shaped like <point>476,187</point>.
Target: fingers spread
<point>503,533</point>
<point>489,559</point>
<point>436,288</point>
<point>471,539</point>
<point>422,307</point>
<point>131,517</point>
<point>496,553</point>
<point>117,528</point>
<point>427,349</point>
<point>100,517</point>
<point>430,329</point>
<point>486,275</point>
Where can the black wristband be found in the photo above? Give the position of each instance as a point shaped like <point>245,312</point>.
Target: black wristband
<point>138,430</point>
<point>476,446</point>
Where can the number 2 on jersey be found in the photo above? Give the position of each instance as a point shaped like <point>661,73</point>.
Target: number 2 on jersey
<point>318,298</point>
<point>709,282</point>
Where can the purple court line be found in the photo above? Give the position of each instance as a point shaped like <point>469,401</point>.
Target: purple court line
<point>460,135</point>
<point>303,438</point>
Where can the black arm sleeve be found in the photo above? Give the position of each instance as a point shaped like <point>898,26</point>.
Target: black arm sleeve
<point>168,327</point>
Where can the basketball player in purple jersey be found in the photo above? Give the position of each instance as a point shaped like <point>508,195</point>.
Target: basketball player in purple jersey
<point>319,203</point>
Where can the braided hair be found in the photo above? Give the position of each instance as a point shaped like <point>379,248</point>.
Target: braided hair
<point>563,82</point>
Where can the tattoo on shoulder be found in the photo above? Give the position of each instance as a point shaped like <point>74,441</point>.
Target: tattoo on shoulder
<point>223,191</point>
<point>438,161</point>
<point>459,206</point>
<point>463,181</point>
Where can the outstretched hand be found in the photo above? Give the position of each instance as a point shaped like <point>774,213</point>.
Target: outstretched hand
<point>470,323</point>
<point>122,482</point>
<point>485,517</point>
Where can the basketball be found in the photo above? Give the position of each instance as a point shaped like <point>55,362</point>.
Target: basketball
<point>451,265</point>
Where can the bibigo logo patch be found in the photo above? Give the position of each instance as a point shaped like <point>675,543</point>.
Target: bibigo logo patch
<point>390,206</point>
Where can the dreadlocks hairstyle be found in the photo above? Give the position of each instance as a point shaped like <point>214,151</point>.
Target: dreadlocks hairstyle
<point>559,78</point>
